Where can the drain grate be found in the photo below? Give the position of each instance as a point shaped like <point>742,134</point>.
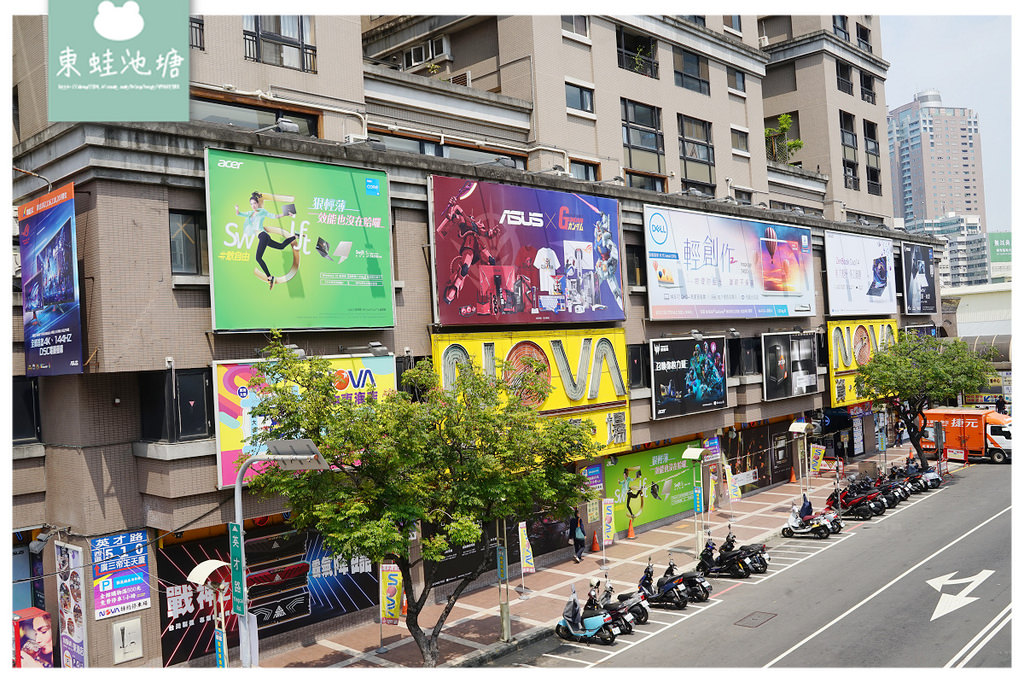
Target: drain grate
<point>755,619</point>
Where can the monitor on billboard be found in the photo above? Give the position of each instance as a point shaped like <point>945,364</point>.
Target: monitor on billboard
<point>860,274</point>
<point>919,295</point>
<point>790,365</point>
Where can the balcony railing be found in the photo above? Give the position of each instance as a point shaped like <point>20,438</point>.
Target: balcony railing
<point>638,63</point>
<point>845,85</point>
<point>254,47</point>
<point>851,182</point>
<point>867,95</point>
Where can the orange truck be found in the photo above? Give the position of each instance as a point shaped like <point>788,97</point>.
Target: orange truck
<point>969,433</point>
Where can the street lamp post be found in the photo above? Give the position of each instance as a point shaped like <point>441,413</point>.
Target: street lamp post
<point>291,454</point>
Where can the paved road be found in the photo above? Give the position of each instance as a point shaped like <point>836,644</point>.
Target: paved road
<point>925,585</point>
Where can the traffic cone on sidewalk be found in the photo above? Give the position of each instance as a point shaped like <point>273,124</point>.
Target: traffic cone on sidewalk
<point>630,533</point>
<point>595,547</point>
<point>792,476</point>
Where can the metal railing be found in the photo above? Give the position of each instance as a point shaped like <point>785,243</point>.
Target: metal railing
<point>631,61</point>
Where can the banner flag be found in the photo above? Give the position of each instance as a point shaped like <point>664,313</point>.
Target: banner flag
<point>817,453</point>
<point>390,593</point>
<point>734,490</point>
<point>608,522</point>
<point>525,551</point>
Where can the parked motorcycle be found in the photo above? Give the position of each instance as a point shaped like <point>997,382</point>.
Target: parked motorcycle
<point>731,563</point>
<point>757,552</point>
<point>619,610</point>
<point>638,605</point>
<point>665,593</point>
<point>877,498</point>
<point>694,584</point>
<point>585,625</point>
<point>803,522</point>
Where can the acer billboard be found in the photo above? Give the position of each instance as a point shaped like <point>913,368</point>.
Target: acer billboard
<point>518,255</point>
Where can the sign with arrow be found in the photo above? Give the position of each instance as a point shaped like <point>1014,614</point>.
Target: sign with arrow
<point>950,601</point>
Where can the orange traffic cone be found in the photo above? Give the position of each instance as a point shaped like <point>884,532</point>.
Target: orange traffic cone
<point>405,605</point>
<point>792,476</point>
<point>594,547</point>
<point>630,533</point>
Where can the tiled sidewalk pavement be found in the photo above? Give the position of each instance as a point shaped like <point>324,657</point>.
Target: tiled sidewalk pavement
<point>471,634</point>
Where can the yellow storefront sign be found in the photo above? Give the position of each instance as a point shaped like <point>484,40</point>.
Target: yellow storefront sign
<point>851,343</point>
<point>587,370</point>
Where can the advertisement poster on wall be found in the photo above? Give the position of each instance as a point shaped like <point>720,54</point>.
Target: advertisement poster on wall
<point>688,376</point>
<point>509,255</point>
<point>585,368</point>
<point>859,270</point>
<point>74,651</point>
<point>49,284</point>
<point>790,365</point>
<point>120,573</point>
<point>33,639</point>
<point>297,244</point>
<point>702,265</point>
<point>918,279</point>
<point>651,485</point>
<point>851,343</point>
<point>928,330</point>
<point>357,378</point>
<point>292,579</point>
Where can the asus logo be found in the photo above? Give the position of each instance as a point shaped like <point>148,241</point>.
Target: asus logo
<point>224,163</point>
<point>531,220</point>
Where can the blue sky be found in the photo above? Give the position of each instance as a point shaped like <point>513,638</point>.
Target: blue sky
<point>967,59</point>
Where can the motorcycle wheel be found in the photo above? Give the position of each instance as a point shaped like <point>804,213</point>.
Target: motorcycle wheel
<point>739,570</point>
<point>605,635</point>
<point>865,513</point>
<point>625,627</point>
<point>821,532</point>
<point>760,566</point>
<point>640,614</point>
<point>679,600</point>
<point>562,631</point>
<point>787,532</point>
<point>835,527</point>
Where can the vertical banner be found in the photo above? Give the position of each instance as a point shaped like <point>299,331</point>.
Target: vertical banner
<point>734,489</point>
<point>817,453</point>
<point>390,593</point>
<point>698,500</point>
<point>120,573</point>
<point>49,284</point>
<point>608,525</point>
<point>525,551</point>
<point>71,606</point>
<point>502,563</point>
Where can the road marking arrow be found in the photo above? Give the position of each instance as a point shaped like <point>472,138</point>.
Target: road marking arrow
<point>949,602</point>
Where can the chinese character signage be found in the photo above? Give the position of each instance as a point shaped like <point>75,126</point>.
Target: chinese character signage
<point>1000,247</point>
<point>585,368</point>
<point>790,365</point>
<point>516,255</point>
<point>120,573</point>
<point>687,376</point>
<point>918,279</point>
<point>651,485</point>
<point>702,265</point>
<point>49,284</point>
<point>358,378</point>
<point>292,578</point>
<point>297,244</point>
<point>71,605</point>
<point>118,61</point>
<point>859,270</point>
<point>851,343</point>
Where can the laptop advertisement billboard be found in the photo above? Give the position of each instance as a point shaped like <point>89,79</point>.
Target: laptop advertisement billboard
<point>860,274</point>
<point>702,265</point>
<point>919,279</point>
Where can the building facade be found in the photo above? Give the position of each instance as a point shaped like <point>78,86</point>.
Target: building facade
<point>713,316</point>
<point>966,255</point>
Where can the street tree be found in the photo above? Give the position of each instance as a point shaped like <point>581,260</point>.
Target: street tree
<point>453,461</point>
<point>920,371</point>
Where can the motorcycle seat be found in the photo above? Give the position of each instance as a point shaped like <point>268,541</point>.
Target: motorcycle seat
<point>663,580</point>
<point>587,613</point>
<point>625,596</point>
<point>807,518</point>
<point>612,606</point>
<point>691,575</point>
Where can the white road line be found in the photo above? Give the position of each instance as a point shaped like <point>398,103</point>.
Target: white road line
<point>663,623</point>
<point>877,592</point>
<point>980,633</point>
<point>568,659</point>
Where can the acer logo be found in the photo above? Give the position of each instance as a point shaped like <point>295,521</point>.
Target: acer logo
<point>225,163</point>
<point>531,220</point>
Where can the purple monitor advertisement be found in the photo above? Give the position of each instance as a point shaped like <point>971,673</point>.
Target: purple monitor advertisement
<point>49,284</point>
<point>507,255</point>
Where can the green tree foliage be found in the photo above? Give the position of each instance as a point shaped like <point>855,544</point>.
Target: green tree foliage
<point>455,458</point>
<point>777,142</point>
<point>918,372</point>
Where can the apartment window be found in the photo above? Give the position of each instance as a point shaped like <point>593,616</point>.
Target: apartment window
<point>578,24</point>
<point>840,26</point>
<point>697,153</point>
<point>421,53</point>
<point>582,170</point>
<point>578,97</point>
<point>448,151</point>
<point>874,178</point>
<point>850,179</point>
<point>691,71</point>
<point>248,116</point>
<point>740,141</point>
<point>864,38</point>
<point>867,87</point>
<point>871,146</point>
<point>642,181</point>
<point>744,197</point>
<point>844,77</point>
<point>25,425</point>
<point>280,40</point>
<point>196,30</point>
<point>642,140</point>
<point>733,21</point>
<point>737,79</point>
<point>639,360</point>
<point>637,52</point>
<point>176,405</point>
<point>636,266</point>
<point>189,255</point>
<point>848,135</point>
<point>694,19</point>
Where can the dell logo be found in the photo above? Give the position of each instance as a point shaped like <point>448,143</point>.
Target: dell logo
<point>658,228</point>
<point>225,163</point>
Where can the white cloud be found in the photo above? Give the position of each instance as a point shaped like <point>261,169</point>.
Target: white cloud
<point>118,23</point>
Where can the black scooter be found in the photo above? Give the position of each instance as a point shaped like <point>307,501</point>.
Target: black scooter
<point>757,552</point>
<point>727,563</point>
<point>667,592</point>
<point>694,584</point>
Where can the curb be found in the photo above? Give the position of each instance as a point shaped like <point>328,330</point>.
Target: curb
<point>492,652</point>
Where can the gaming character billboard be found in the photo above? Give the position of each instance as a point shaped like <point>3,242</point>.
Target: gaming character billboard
<point>790,365</point>
<point>687,376</point>
<point>918,279</point>
<point>701,265</point>
<point>859,270</point>
<point>507,255</point>
<point>49,284</point>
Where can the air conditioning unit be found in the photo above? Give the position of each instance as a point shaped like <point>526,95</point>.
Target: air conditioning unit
<point>762,42</point>
<point>464,78</point>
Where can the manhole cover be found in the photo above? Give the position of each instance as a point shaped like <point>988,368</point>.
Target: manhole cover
<point>755,619</point>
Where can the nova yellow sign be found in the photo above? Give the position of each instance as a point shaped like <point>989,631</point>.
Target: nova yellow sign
<point>851,345</point>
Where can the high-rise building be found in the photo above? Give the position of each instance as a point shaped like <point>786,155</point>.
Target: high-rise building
<point>965,260</point>
<point>935,155</point>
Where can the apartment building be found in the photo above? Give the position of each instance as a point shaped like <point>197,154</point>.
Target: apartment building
<point>966,254</point>
<point>624,132</point>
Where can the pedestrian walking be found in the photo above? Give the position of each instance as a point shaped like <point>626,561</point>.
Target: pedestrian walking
<point>899,435</point>
<point>578,534</point>
<point>1001,405</point>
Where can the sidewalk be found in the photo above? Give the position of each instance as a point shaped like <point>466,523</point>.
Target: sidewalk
<point>472,631</point>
